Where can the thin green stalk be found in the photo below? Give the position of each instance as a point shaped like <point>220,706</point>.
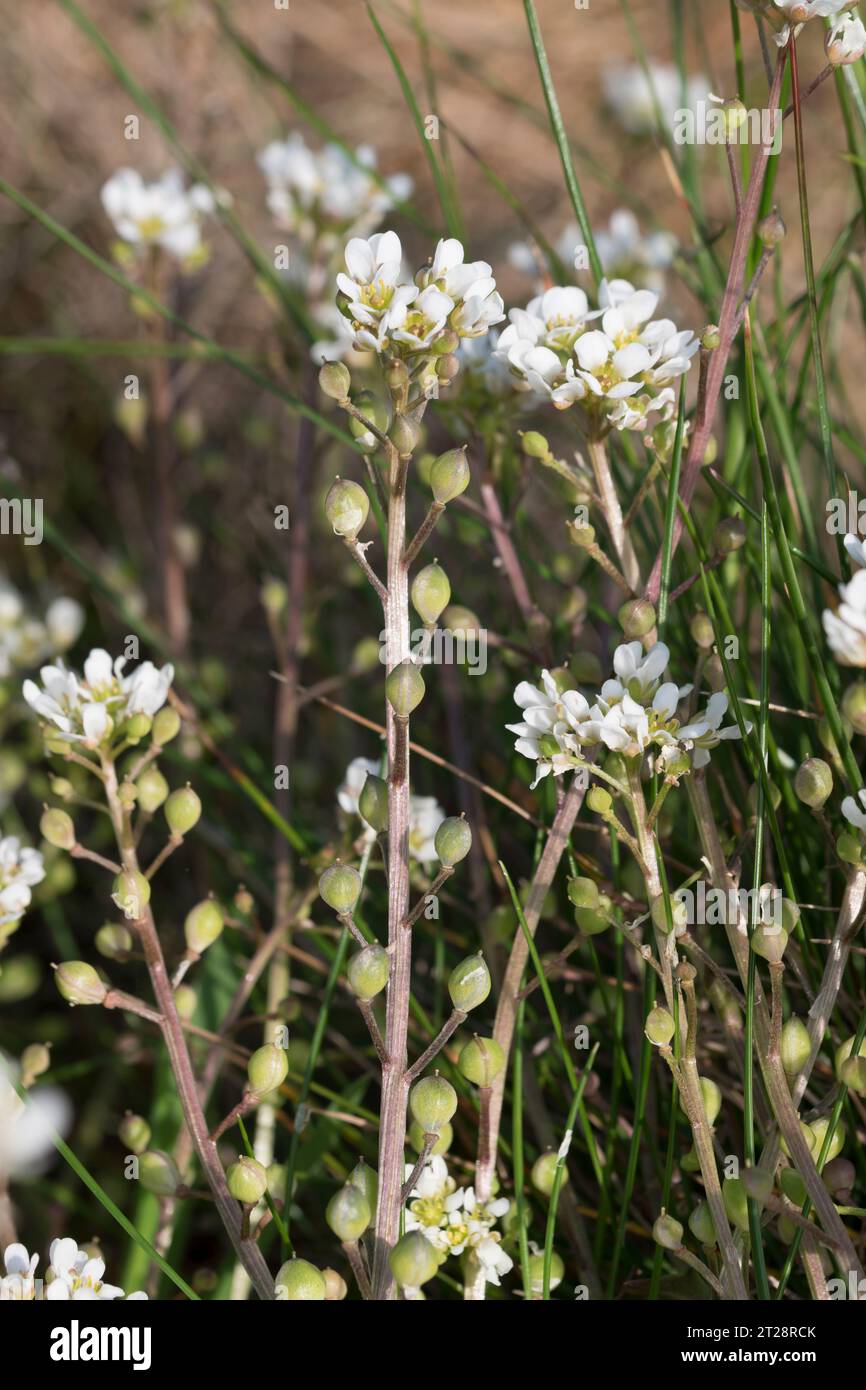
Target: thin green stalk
<point>559,1173</point>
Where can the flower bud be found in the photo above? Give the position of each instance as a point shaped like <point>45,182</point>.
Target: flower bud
<point>405,434</point>
<point>667,1232</point>
<point>769,942</point>
<point>431,592</point>
<point>166,726</point>
<point>469,983</point>
<point>373,803</point>
<point>202,925</point>
<point>660,1027</point>
<point>795,1045</point>
<point>368,971</point>
<point>854,705</point>
<point>535,445</point>
<point>336,1288</point>
<point>447,342</point>
<point>348,1213</point>
<point>376,412</point>
<point>35,1060</point>
<point>637,617</point>
<point>340,887</point>
<point>819,1130</point>
<point>137,727</point>
<point>736,1201</point>
<point>701,1225</point>
<point>447,368</point>
<point>583,536</point>
<point>334,380</point>
<point>813,782</point>
<point>443,1143</point>
<point>185,1001</point>
<point>413,1260</point>
<point>404,688</point>
<point>701,629</point>
<point>79,983</point>
<point>152,790</point>
<point>729,535</point>
<point>536,1272</point>
<point>711,338</point>
<point>481,1061</point>
<point>452,841</point>
<point>113,941</point>
<point>267,1069</point>
<point>182,810</point>
<point>397,374</point>
<point>432,1101</point>
<point>771,229</point>
<point>582,892</point>
<point>57,828</point>
<point>347,507</point>
<point>600,801</point>
<point>134,1133</point>
<point>544,1172</point>
<point>157,1173</point>
<point>449,475</point>
<point>299,1281</point>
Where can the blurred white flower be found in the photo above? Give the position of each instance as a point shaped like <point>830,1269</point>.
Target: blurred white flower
<point>633,95</point>
<point>89,709</point>
<point>21,868</point>
<point>25,639</point>
<point>164,213</point>
<point>846,627</point>
<point>425,813</point>
<point>854,810</point>
<point>27,1127</point>
<point>856,549</point>
<point>322,195</point>
<point>18,1283</point>
<point>845,41</point>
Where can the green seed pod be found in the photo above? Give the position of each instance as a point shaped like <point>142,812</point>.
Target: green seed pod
<point>373,803</point>
<point>340,887</point>
<point>819,1130</point>
<point>813,782</point>
<point>854,1074</point>
<point>758,1184</point>
<point>769,942</point>
<point>348,1213</point>
<point>347,507</point>
<point>843,1052</point>
<point>152,790</point>
<point>448,342</point>
<point>157,1173</point>
<point>469,983</point>
<point>544,1172</point>
<point>535,445</point>
<point>808,1138</point>
<point>793,1186</point>
<point>667,1232</point>
<point>771,229</point>
<point>57,828</point>
<point>729,535</point>
<point>679,914</point>
<point>701,1225</point>
<point>637,617</point>
<point>299,1281</point>
<point>368,971</point>
<point>336,1287</point>
<point>182,810</point>
<point>701,629</point>
<point>374,410</point>
<point>404,688</point>
<point>481,1061</point>
<point>79,983</point>
<point>690,1163</point>
<point>734,113</point>
<point>827,737</point>
<point>267,1069</point>
<point>854,705</point>
<point>247,1180</point>
<point>599,801</point>
<point>711,338</point>
<point>397,374</point>
<point>591,923</point>
<point>334,380</point>
<point>137,727</point>
<point>185,1001</point>
<point>736,1201</point>
<point>448,367</point>
<point>456,618</point>
<point>536,1272</point>
<point>712,1098</point>
<point>367,1179</point>
<point>131,893</point>
<point>134,1132</point>
<point>449,476</point>
<point>405,434</point>
<point>430,592</point>
<point>443,1143</point>
<point>849,849</point>
<point>413,1260</point>
<point>113,941</point>
<point>35,1061</point>
<point>583,892</point>
<point>203,925</point>
<point>795,1045</point>
<point>433,1101</point>
<point>452,841</point>
<point>166,726</point>
<point>660,1027</point>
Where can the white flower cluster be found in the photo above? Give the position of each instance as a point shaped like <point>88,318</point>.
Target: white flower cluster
<point>25,640</point>
<point>619,372</point>
<point>453,1219</point>
<point>322,196</point>
<point>387,312</point>
<point>425,813</point>
<point>89,709</point>
<point>28,1127</point>
<point>163,214</point>
<point>633,713</point>
<point>846,627</point>
<point>639,97</point>
<point>844,41</point>
<point>72,1274</point>
<point>21,868</point>
<point>625,252</point>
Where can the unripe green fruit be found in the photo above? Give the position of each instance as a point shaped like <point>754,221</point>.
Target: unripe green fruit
<point>456,618</point>
<point>443,1143</point>
<point>854,705</point>
<point>848,848</point>
<point>430,592</point>
<point>736,1201</point>
<point>203,925</point>
<point>690,1163</point>
<point>267,1069</point>
<point>769,942</point>
<point>57,828</point>
<point>843,1052</point>
<point>712,1098</point>
<point>599,801</point>
<point>854,1074</point>
<point>469,983</point>
<point>758,1185</point>
<point>433,1101</point>
<point>336,1287</point>
<point>374,410</point>
<point>157,1173</point>
<point>583,892</point>
<point>185,1001</point>
<point>348,1213</point>
<point>452,841</point>
<point>729,535</point>
<point>138,726</point>
<point>79,983</point>
<point>447,343</point>
<point>667,1232</point>
<point>449,475</point>
<point>793,1186</point>
<point>182,811</point>
<point>131,893</point>
<point>794,1045</point>
<point>166,726</point>
<point>134,1132</point>
<point>299,1281</point>
<point>113,941</point>
<point>404,688</point>
<point>701,1225</point>
<point>660,1027</point>
<point>413,1260</point>
<point>734,113</point>
<point>346,507</point>
<point>637,617</point>
<point>35,1061</point>
<point>828,738</point>
<point>813,782</point>
<point>535,445</point>
<point>819,1130</point>
<point>536,1272</point>
<point>808,1138</point>
<point>368,971</point>
<point>340,887</point>
<point>334,380</point>
<point>591,923</point>
<point>396,374</point>
<point>679,914</point>
<point>373,803</point>
<point>544,1173</point>
<point>367,1179</point>
<point>839,1177</point>
<point>481,1061</point>
<point>247,1180</point>
<point>771,229</point>
<point>405,434</point>
<point>152,790</point>
<point>701,629</point>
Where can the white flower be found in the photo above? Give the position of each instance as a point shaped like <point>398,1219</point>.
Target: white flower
<point>634,96</point>
<point>433,1181</point>
<point>26,640</point>
<point>555,726</point>
<point>425,813</point>
<point>318,194</point>
<point>854,810</point>
<point>90,708</point>
<point>71,1275</point>
<point>845,42</point>
<point>493,1259</point>
<point>470,285</point>
<point>704,732</point>
<point>856,549</point>
<point>164,213</point>
<point>356,774</point>
<point>21,868</point>
<point>630,728</point>
<point>417,321</point>
<point>27,1128</point>
<point>18,1283</point>
<point>625,252</point>
<point>846,628</point>
<point>371,286</point>
<point>639,673</point>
